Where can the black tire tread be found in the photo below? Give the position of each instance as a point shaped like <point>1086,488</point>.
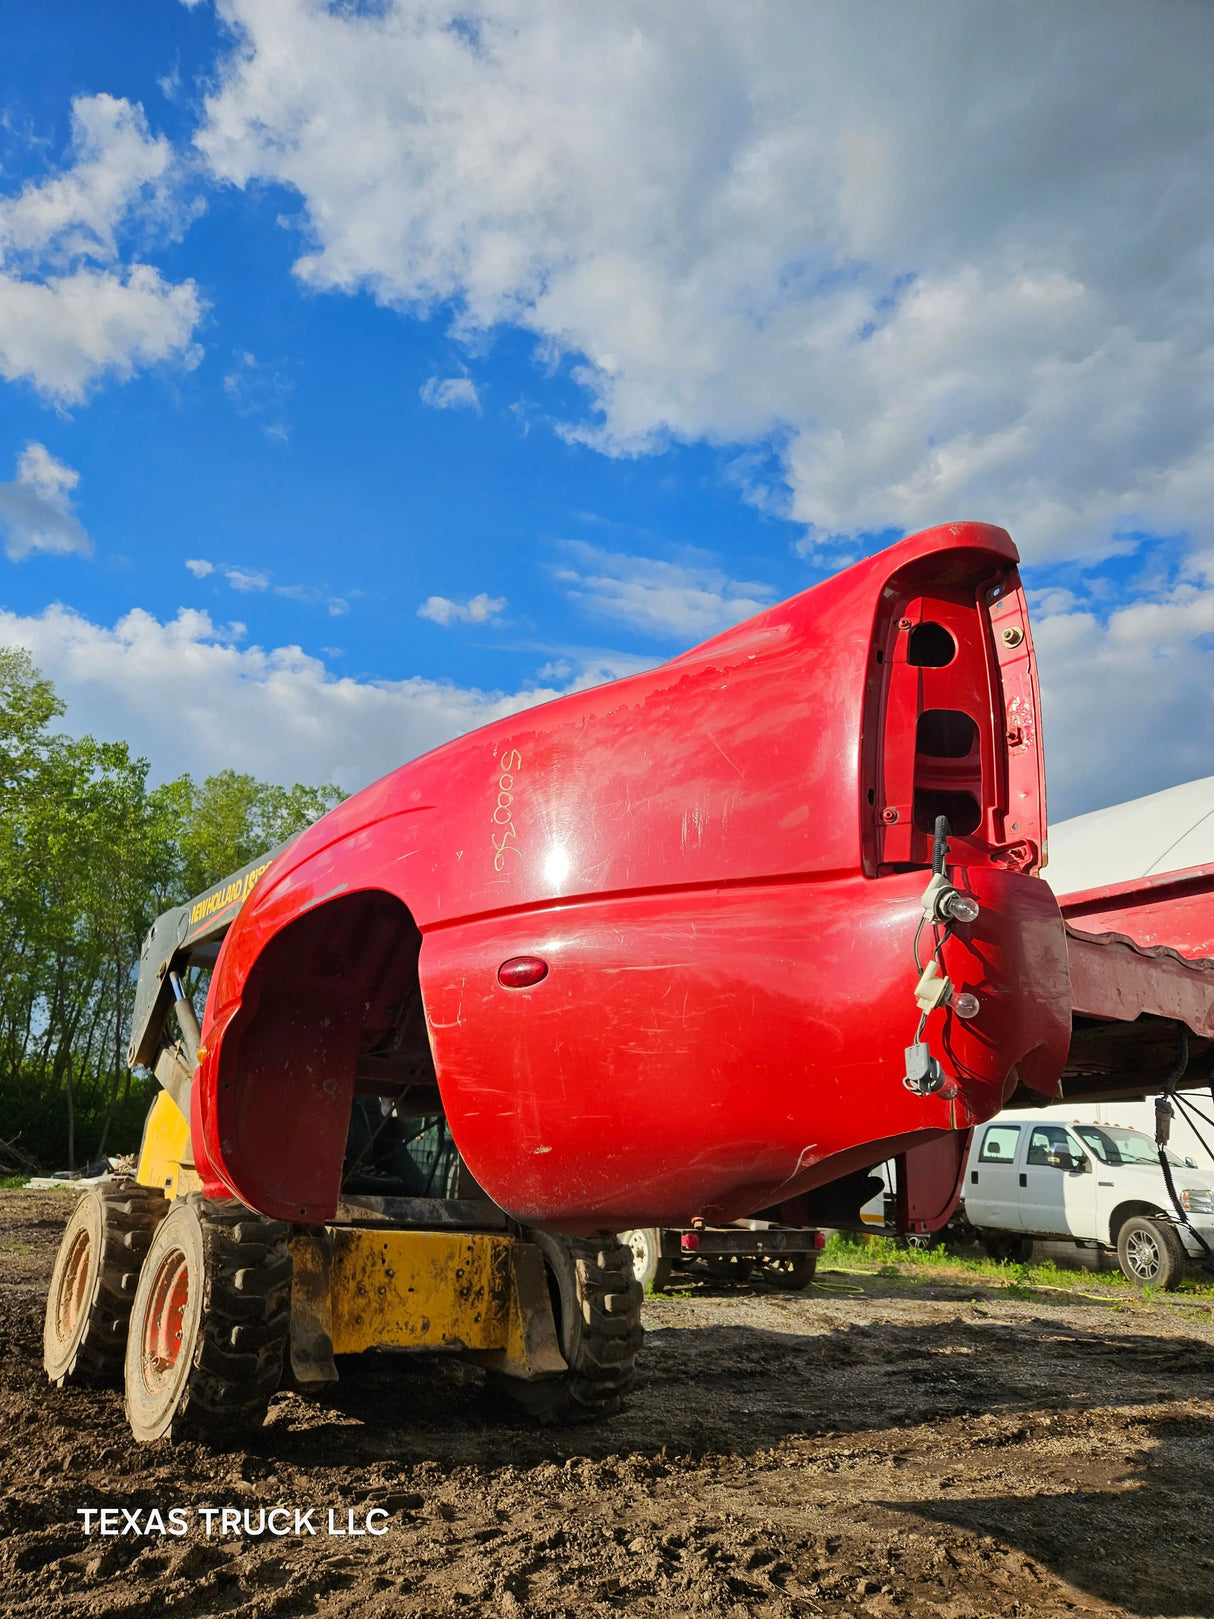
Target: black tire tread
<point>243,1332</point>
<point>602,1366</point>
<point>130,1215</point>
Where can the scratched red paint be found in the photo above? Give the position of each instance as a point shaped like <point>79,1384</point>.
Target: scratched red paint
<point>720,860</point>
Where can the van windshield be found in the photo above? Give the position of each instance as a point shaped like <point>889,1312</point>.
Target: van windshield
<point>1114,1144</point>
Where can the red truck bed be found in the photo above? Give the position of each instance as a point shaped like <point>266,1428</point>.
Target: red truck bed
<point>1140,958</point>
<point>651,944</point>
<point>652,948</point>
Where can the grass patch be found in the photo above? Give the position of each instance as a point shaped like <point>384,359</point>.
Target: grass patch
<point>13,1183</point>
<point>881,1257</point>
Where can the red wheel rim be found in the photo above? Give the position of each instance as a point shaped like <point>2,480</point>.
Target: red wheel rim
<point>71,1302</point>
<point>162,1321</point>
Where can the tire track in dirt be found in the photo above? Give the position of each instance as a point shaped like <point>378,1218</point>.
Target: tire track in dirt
<point>921,1450</point>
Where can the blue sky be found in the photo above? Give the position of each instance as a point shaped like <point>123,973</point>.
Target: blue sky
<point>367,371</point>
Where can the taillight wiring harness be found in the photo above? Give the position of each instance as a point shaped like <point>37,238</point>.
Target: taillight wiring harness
<point>944,905</point>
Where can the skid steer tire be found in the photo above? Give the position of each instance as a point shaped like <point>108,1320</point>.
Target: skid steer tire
<point>93,1283</point>
<point>596,1300</point>
<point>209,1325</point>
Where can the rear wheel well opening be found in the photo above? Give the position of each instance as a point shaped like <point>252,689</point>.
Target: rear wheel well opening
<point>331,1039</point>
<point>1126,1211</point>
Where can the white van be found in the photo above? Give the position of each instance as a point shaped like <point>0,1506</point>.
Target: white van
<point>1031,1176</point>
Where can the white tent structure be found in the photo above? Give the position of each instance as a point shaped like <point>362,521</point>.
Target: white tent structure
<point>1167,831</point>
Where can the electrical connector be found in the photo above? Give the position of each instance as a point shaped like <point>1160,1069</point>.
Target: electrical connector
<point>933,988</point>
<point>924,1074</point>
<point>1164,1114</point>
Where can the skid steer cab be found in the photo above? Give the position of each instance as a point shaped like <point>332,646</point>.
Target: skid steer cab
<point>202,1308</point>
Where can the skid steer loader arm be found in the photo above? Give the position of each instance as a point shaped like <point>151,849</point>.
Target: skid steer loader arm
<point>189,935</point>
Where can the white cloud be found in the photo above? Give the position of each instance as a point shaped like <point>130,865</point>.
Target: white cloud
<point>169,84</point>
<point>118,170</point>
<point>688,600</point>
<point>480,609</point>
<point>63,334</point>
<point>70,311</point>
<point>247,578</point>
<point>255,580</point>
<point>259,388</point>
<point>36,508</point>
<point>186,696</point>
<point>558,669</point>
<point>955,257</point>
<point>51,480</point>
<point>314,596</point>
<point>451,393</point>
<point>1126,699</point>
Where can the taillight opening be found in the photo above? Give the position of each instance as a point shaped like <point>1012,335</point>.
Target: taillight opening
<point>948,771</point>
<point>946,733</point>
<point>950,724</point>
<point>962,809</point>
<point>937,752</point>
<point>930,646</point>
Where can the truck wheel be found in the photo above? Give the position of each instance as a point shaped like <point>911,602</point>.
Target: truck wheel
<point>596,1300</point>
<point>1150,1252</point>
<point>93,1283</point>
<point>210,1323</point>
<point>650,1269</point>
<point>792,1272</point>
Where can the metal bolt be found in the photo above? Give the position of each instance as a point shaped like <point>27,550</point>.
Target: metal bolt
<point>1013,635</point>
<point>904,623</point>
<point>889,815</point>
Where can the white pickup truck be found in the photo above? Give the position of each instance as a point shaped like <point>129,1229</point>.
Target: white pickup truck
<point>1029,1176</point>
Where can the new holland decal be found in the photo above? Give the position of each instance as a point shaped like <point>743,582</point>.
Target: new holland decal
<point>233,893</point>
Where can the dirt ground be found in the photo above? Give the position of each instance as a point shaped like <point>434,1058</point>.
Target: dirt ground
<point>870,1447</point>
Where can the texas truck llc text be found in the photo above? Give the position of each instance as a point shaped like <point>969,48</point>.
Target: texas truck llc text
<point>118,1521</point>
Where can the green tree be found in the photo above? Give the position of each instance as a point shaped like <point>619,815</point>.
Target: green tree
<point>230,819</point>
<point>89,856</point>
